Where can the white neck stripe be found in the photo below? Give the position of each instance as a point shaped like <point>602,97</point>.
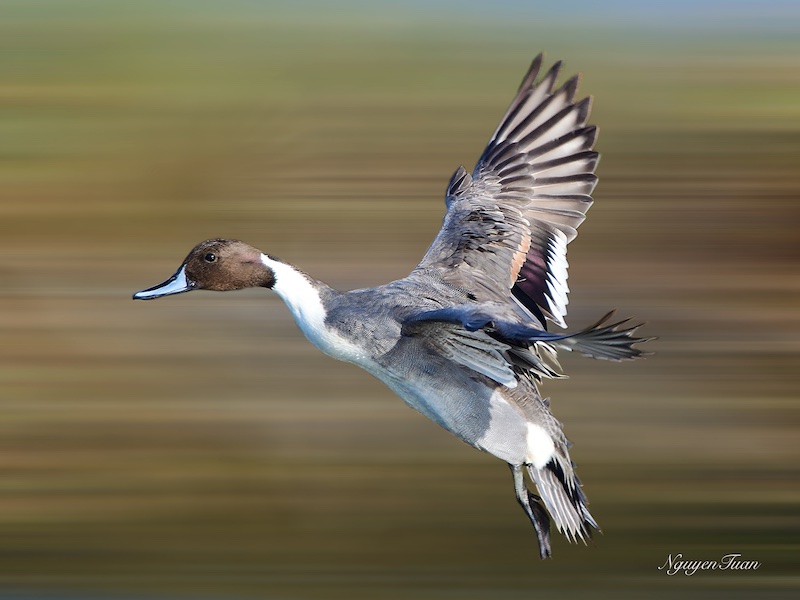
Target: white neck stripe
<point>298,293</point>
<point>305,303</point>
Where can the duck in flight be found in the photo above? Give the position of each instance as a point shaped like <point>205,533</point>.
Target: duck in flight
<point>463,338</point>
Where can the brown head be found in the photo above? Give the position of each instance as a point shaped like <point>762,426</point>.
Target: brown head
<point>220,265</point>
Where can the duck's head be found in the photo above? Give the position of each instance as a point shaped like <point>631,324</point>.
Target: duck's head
<point>219,265</point>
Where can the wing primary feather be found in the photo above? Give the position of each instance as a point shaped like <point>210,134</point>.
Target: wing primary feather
<point>587,160</point>
<point>533,72</point>
<point>580,140</point>
<point>564,97</point>
<point>530,93</point>
<point>569,117</point>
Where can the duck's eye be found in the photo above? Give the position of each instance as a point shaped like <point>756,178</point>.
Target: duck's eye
<point>210,257</point>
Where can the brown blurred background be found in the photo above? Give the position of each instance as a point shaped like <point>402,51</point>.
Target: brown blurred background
<point>199,447</point>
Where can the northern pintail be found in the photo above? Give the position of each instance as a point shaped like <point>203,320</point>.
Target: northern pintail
<point>463,338</point>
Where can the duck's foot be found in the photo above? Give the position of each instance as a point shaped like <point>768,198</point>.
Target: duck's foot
<point>531,504</point>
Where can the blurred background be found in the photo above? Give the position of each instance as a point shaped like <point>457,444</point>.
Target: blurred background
<point>198,447</point>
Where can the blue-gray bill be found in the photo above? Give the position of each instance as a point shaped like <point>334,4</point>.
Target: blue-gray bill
<point>177,284</point>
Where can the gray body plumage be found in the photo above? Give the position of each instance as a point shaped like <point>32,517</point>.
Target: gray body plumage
<point>416,368</point>
<point>460,379</point>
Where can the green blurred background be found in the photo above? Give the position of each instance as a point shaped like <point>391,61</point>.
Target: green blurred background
<point>198,447</point>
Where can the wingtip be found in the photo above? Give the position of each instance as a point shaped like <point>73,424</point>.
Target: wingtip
<point>532,80</point>
<point>590,133</point>
<point>552,75</point>
<point>533,72</point>
<point>570,87</point>
<point>584,108</point>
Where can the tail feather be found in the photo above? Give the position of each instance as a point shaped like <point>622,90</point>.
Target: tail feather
<point>606,341</point>
<point>565,501</point>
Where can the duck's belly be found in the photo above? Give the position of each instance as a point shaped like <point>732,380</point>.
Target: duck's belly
<point>464,405</point>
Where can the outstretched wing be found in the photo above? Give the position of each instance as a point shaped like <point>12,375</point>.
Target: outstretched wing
<point>508,224</point>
